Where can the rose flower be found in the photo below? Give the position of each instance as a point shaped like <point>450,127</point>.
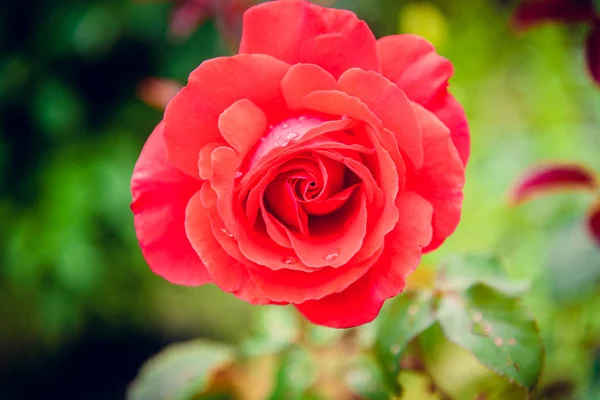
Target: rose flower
<point>313,168</point>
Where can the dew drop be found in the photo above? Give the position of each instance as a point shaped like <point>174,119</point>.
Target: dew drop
<point>225,231</point>
<point>344,117</point>
<point>498,341</point>
<point>301,118</point>
<point>238,174</point>
<point>271,127</point>
<point>285,126</point>
<point>291,136</point>
<point>332,256</point>
<point>289,260</point>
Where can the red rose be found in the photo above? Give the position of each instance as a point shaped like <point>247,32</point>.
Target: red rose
<point>313,168</point>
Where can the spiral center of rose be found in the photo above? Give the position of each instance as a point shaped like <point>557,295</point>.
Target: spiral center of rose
<point>305,173</point>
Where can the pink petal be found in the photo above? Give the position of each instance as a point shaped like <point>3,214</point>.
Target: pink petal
<point>296,31</point>
<point>326,248</point>
<point>229,274</point>
<point>303,79</point>
<point>192,116</point>
<point>242,125</point>
<point>309,285</point>
<point>392,107</point>
<point>361,302</point>
<point>160,195</point>
<point>442,177</point>
<point>412,63</point>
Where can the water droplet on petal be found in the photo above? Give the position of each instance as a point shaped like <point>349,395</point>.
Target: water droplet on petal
<point>332,256</point>
<point>301,118</point>
<point>238,174</point>
<point>271,127</point>
<point>285,126</point>
<point>291,136</point>
<point>289,260</point>
<point>225,231</point>
<point>344,117</point>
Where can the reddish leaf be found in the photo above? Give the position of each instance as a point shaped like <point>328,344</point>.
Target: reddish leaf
<point>188,14</point>
<point>531,12</point>
<point>229,15</point>
<point>548,178</point>
<point>594,223</point>
<point>157,92</point>
<point>592,52</point>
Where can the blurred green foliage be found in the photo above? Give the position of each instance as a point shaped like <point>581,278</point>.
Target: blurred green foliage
<point>71,129</point>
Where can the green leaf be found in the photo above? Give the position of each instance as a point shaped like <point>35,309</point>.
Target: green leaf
<point>180,372</point>
<point>276,328</point>
<point>462,272</point>
<point>295,375</point>
<point>365,378</point>
<point>409,315</point>
<point>496,329</point>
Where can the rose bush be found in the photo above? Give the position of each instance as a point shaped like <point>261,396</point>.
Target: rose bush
<point>313,168</point>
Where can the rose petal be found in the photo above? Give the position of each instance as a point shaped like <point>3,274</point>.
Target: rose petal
<point>191,118</point>
<point>592,52</point>
<point>392,107</point>
<point>339,103</point>
<point>227,273</point>
<point>412,63</point>
<point>278,28</point>
<point>361,302</point>
<point>160,195</point>
<point>242,125</point>
<point>329,205</point>
<point>452,114</point>
<point>309,286</point>
<point>336,238</point>
<point>547,178</point>
<point>225,163</point>
<point>296,31</point>
<point>270,150</point>
<point>442,177</point>
<point>281,200</point>
<point>303,79</point>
